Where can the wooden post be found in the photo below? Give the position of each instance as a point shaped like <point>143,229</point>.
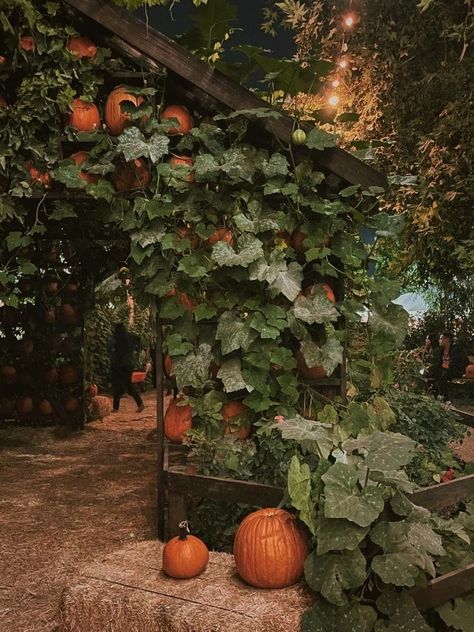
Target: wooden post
<point>176,513</point>
<point>160,432</point>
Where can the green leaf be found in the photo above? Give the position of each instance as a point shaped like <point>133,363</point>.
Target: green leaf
<point>299,490</point>
<point>317,309</point>
<point>458,614</point>
<point>345,499</point>
<point>133,144</point>
<point>62,210</point>
<point>337,534</point>
<point>312,435</point>
<point>383,451</point>
<point>249,250</point>
<point>329,355</point>
<point>332,573</point>
<point>318,139</point>
<point>276,166</point>
<point>195,265</point>
<point>325,617</point>
<point>177,346</point>
<point>230,373</point>
<point>233,333</point>
<point>206,168</point>
<point>348,191</point>
<point>203,312</point>
<point>403,614</point>
<point>259,323</point>
<point>68,175</point>
<point>279,275</point>
<point>193,369</point>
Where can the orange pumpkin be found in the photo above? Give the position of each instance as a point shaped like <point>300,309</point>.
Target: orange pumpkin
<point>310,373</point>
<point>115,119</point>
<point>82,47</point>
<point>168,366</point>
<point>84,116</point>
<point>41,177</point>
<point>469,372</point>
<point>131,175</point>
<point>45,408</point>
<point>71,404</point>
<point>182,115</point>
<point>3,103</point>
<point>188,303</point>
<point>8,374</point>
<point>221,234</point>
<point>270,549</point>
<point>229,411</point>
<point>79,157</point>
<point>183,232</point>
<point>311,291</point>
<point>69,375</point>
<point>69,314</point>
<point>185,556</point>
<point>178,420</point>
<point>93,390</point>
<point>187,161</point>
<point>27,345</point>
<point>71,288</point>
<point>27,43</point>
<point>50,375</point>
<point>24,405</point>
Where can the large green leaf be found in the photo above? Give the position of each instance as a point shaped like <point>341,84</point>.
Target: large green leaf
<point>337,534</point>
<point>299,491</point>
<point>234,333</point>
<point>230,373</point>
<point>383,451</point>
<point>345,498</point>
<point>249,249</point>
<point>332,573</point>
<point>276,166</point>
<point>316,309</point>
<point>325,617</point>
<point>133,144</point>
<point>329,355</point>
<point>279,275</point>
<point>318,139</point>
<point>459,614</point>
<point>403,615</point>
<point>193,369</point>
<point>195,265</point>
<point>312,435</point>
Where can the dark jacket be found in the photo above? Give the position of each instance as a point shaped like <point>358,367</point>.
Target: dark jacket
<point>122,350</point>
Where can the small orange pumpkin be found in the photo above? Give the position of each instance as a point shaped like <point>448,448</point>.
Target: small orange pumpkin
<point>27,43</point>
<point>311,291</point>
<point>8,374</point>
<point>69,375</point>
<point>221,234</point>
<point>270,548</point>
<point>93,390</point>
<point>69,314</point>
<point>182,115</point>
<point>2,59</point>
<point>45,408</point>
<point>71,404</point>
<point>50,375</point>
<point>469,372</point>
<point>71,288</point>
<point>48,315</point>
<point>84,116</point>
<point>43,178</point>
<point>79,157</point>
<point>115,119</point>
<point>52,286</point>
<point>131,175</point>
<point>187,161</point>
<point>24,405</point>
<point>185,556</point>
<point>82,47</point>
<point>178,420</point>
<point>229,411</point>
<point>310,373</point>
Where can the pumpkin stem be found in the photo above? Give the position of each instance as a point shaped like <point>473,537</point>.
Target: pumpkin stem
<point>183,530</point>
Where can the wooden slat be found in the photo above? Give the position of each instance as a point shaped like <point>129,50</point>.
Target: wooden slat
<point>198,486</point>
<point>465,417</point>
<point>160,433</point>
<point>445,587</point>
<point>228,92</point>
<point>445,494</point>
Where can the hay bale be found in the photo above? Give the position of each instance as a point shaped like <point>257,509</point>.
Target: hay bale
<point>128,592</point>
<point>100,407</point>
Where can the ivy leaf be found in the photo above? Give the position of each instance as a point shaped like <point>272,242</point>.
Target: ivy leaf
<point>233,333</point>
<point>177,346</point>
<point>318,139</point>
<point>312,435</point>
<point>239,164</point>
<point>103,190</point>
<point>299,490</point>
<point>383,451</point>
<point>203,312</point>
<point>259,323</point>
<point>408,547</point>
<point>195,265</point>
<point>62,210</point>
<point>231,375</point>
<point>206,168</point>
<point>325,617</point>
<point>68,175</point>
<point>329,355</point>
<point>337,534</point>
<point>133,144</point>
<point>317,309</point>
<point>332,573</point>
<point>276,166</point>
<point>345,499</point>
<point>285,278</point>
<point>389,324</point>
<point>458,614</point>
<point>250,249</point>
<point>193,369</point>
<point>403,614</point>
<point>148,236</point>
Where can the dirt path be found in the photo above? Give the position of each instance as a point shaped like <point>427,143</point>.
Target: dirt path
<point>64,501</point>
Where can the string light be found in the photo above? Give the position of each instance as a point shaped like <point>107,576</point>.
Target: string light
<point>336,83</point>
<point>343,63</point>
<point>333,100</point>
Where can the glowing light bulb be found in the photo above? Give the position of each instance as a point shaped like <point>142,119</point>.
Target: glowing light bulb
<point>333,100</point>
<point>336,83</point>
<point>349,21</point>
<point>343,63</point>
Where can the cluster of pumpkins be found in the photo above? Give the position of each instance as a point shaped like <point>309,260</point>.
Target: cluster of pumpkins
<point>85,117</point>
<point>270,548</point>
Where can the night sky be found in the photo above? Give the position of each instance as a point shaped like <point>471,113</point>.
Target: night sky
<point>249,15</point>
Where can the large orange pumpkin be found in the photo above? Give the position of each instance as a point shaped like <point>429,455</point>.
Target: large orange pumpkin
<point>8,374</point>
<point>178,420</point>
<point>469,372</point>
<point>69,314</point>
<point>310,373</point>
<point>187,161</point>
<point>24,405</point>
<point>69,375</point>
<point>182,115</point>
<point>84,116</point>
<point>131,175</point>
<point>115,119</point>
<point>79,157</point>
<point>270,549</point>
<point>71,404</point>
<point>185,556</point>
<point>50,375</point>
<point>45,408</point>
<point>221,234</point>
<point>311,291</point>
<point>82,47</point>
<point>229,411</point>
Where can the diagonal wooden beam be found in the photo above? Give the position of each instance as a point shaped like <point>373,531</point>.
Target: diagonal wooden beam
<point>165,51</point>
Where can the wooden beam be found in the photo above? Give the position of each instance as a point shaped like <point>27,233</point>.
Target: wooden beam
<point>445,494</point>
<point>445,587</point>
<point>165,51</point>
<point>465,417</point>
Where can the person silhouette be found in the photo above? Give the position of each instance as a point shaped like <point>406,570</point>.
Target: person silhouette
<point>123,345</point>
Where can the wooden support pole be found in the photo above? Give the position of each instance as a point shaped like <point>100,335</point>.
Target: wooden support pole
<point>160,430</point>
